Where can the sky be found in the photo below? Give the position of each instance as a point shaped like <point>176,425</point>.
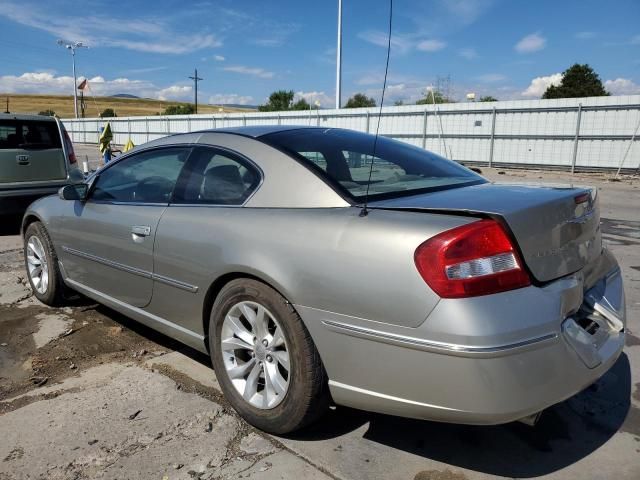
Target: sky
<point>246,49</point>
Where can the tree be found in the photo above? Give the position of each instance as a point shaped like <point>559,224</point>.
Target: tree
<point>47,113</point>
<point>360,100</point>
<point>398,103</point>
<point>279,101</point>
<point>436,97</point>
<point>180,109</point>
<point>301,104</point>
<point>108,113</point>
<point>488,98</point>
<point>577,81</point>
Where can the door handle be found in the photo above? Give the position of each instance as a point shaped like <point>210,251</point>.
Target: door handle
<point>141,230</point>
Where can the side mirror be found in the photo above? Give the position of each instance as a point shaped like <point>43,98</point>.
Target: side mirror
<point>77,191</point>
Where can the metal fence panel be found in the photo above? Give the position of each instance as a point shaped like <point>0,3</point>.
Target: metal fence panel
<point>588,133</point>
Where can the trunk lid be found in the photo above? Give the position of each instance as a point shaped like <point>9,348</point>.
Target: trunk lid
<point>557,228</point>
<point>30,151</point>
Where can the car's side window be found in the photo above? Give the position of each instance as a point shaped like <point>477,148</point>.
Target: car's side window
<point>216,177</point>
<point>148,177</point>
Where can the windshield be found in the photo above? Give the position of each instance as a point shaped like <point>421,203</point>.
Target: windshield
<point>344,158</point>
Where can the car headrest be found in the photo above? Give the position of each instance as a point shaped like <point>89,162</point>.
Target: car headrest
<point>223,185</point>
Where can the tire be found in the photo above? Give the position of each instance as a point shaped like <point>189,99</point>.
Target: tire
<point>53,293</point>
<point>306,396</point>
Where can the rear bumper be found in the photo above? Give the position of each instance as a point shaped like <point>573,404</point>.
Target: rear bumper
<point>487,360</point>
<point>15,201</point>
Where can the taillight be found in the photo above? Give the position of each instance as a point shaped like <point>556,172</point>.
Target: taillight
<point>471,260</point>
<point>69,146</point>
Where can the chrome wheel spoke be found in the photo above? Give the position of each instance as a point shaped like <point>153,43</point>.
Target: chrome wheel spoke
<point>278,338</point>
<point>251,385</point>
<point>239,329</point>
<point>234,343</point>
<point>241,371</point>
<point>282,357</point>
<point>273,379</point>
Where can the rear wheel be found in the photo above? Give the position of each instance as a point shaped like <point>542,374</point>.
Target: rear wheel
<point>264,358</point>
<point>41,263</point>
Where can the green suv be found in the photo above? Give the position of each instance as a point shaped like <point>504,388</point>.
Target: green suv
<point>36,159</point>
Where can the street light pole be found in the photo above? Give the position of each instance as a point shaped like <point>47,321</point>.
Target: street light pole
<point>72,47</point>
<point>339,58</point>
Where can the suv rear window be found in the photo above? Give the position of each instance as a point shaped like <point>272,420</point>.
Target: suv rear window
<point>345,159</point>
<point>28,134</point>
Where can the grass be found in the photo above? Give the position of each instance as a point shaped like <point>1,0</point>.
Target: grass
<point>124,107</point>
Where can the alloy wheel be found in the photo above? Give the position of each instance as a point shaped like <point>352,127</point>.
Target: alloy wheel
<point>37,265</point>
<point>255,354</point>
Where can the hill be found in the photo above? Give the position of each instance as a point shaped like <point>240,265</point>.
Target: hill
<point>124,107</point>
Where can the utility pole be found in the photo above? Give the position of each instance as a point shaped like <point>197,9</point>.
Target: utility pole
<point>196,79</point>
<point>7,110</point>
<point>73,47</point>
<point>339,58</point>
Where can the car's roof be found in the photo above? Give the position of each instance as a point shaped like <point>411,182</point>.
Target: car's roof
<point>19,116</point>
<point>259,130</point>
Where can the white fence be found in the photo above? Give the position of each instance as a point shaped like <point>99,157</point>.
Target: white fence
<point>578,133</point>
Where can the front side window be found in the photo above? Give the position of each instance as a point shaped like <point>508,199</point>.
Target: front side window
<point>216,177</point>
<point>147,177</point>
<point>344,158</point>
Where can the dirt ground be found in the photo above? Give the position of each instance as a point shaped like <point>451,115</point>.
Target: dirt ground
<point>87,393</point>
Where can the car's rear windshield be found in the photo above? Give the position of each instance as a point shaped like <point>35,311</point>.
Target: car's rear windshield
<point>28,134</point>
<point>344,158</point>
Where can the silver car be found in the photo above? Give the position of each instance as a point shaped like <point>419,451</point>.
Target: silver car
<point>315,272</point>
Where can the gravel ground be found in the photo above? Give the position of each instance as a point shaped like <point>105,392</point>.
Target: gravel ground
<point>87,393</point>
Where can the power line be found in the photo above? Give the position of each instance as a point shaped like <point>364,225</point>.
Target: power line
<point>196,79</point>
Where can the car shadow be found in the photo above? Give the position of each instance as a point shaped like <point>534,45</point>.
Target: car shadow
<point>10,225</point>
<point>565,434</point>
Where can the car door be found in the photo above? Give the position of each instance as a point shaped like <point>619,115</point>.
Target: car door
<point>196,230</point>
<point>107,243</point>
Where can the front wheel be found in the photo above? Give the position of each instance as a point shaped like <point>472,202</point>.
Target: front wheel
<point>264,358</point>
<point>41,263</point>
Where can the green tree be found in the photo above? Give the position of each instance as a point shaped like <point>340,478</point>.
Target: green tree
<point>108,113</point>
<point>47,113</point>
<point>436,97</point>
<point>301,104</point>
<point>577,81</point>
<point>398,103</point>
<point>279,101</point>
<point>360,100</point>
<point>488,98</point>
<point>186,109</point>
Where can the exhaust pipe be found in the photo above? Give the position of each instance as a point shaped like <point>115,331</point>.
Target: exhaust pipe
<point>531,420</point>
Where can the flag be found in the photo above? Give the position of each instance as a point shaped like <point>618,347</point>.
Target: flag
<point>84,84</point>
<point>105,138</point>
<point>128,146</point>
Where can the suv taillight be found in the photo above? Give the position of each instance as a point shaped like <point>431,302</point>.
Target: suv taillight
<point>69,146</point>
<point>471,260</point>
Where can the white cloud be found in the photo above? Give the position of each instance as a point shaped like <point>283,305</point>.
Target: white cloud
<point>46,82</point>
<point>175,92</point>
<point>230,98</point>
<point>468,53</point>
<point>531,43</point>
<point>540,84</point>
<point>431,45</point>
<point>400,43</point>
<point>492,78</point>
<point>219,58</point>
<point>311,97</point>
<point>147,34</point>
<point>622,86</point>
<point>467,11</point>
<point>255,71</point>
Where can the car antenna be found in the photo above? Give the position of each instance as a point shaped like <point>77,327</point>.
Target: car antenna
<point>364,212</point>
